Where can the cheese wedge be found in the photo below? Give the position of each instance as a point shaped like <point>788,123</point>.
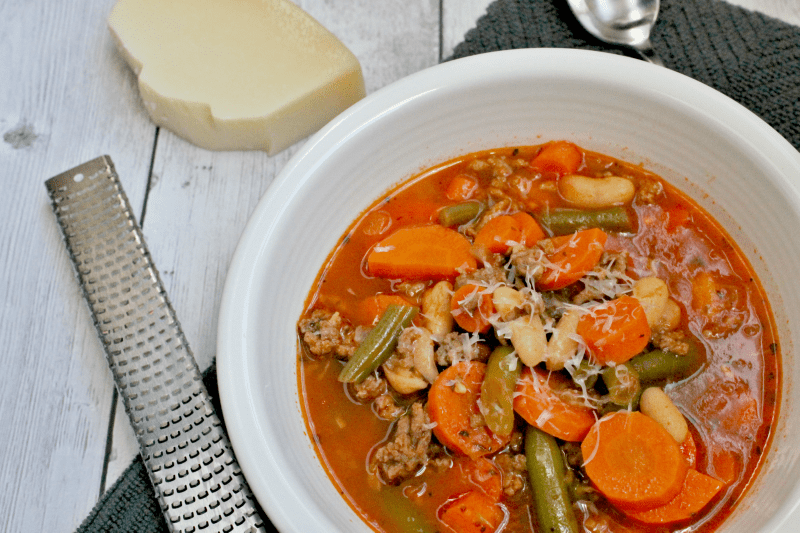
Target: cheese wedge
<point>235,74</point>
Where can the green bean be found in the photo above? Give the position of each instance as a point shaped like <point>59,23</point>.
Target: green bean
<point>497,390</point>
<point>565,221</point>
<point>455,215</point>
<point>586,372</point>
<point>547,473</point>
<point>658,365</point>
<point>379,343</point>
<point>610,408</point>
<point>622,382</point>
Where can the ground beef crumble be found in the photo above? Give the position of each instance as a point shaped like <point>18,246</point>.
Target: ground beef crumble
<point>371,388</point>
<point>648,191</point>
<point>612,266</point>
<point>375,389</point>
<point>515,472</point>
<point>386,407</point>
<point>528,262</point>
<point>455,347</point>
<point>408,451</point>
<point>403,356</point>
<point>483,276</point>
<point>438,458</point>
<point>326,333</point>
<point>671,341</point>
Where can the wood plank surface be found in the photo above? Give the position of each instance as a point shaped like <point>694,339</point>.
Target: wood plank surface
<point>785,10</point>
<point>201,200</point>
<point>67,97</point>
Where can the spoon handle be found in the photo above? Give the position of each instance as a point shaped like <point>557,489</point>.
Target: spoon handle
<point>645,50</point>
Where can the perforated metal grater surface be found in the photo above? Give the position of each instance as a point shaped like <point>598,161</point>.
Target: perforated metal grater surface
<point>191,464</point>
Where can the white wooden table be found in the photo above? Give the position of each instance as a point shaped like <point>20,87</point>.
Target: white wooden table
<point>66,97</point>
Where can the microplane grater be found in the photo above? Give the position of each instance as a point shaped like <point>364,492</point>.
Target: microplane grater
<point>188,456</point>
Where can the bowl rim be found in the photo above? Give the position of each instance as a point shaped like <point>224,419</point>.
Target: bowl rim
<point>274,495</point>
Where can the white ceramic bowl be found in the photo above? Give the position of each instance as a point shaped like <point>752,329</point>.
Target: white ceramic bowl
<point>715,150</point>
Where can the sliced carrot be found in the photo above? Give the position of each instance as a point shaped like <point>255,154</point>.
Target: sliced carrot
<point>689,450</point>
<point>712,295</point>
<point>561,157</point>
<point>421,252</point>
<point>471,307</point>
<point>472,512</point>
<point>372,308</point>
<point>697,491</point>
<point>724,466</point>
<point>704,292</point>
<point>677,216</point>
<point>542,399</point>
<point>720,301</point>
<point>573,256</point>
<point>532,232</point>
<point>633,461</point>
<point>499,234</point>
<point>485,475</point>
<point>452,405</point>
<point>615,331</point>
<point>376,223</point>
<point>461,188</point>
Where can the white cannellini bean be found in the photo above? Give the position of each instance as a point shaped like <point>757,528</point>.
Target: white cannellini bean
<point>670,318</point>
<point>529,339</point>
<point>424,360</point>
<point>653,294</point>
<point>562,345</point>
<point>594,193</point>
<point>436,308</point>
<point>404,380</point>
<point>657,405</point>
<point>506,300</point>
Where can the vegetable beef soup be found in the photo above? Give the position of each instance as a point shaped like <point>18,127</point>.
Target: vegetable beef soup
<point>538,339</point>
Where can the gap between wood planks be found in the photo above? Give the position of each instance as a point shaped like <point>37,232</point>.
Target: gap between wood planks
<point>115,394</point>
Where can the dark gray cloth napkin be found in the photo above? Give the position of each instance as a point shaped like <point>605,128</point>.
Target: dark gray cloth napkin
<point>752,58</point>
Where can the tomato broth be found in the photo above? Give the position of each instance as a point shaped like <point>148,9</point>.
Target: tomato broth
<point>696,326</point>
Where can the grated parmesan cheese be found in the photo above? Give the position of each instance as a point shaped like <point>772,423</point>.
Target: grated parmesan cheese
<point>543,418</point>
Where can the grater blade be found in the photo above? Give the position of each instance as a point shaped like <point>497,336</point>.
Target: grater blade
<point>190,461</point>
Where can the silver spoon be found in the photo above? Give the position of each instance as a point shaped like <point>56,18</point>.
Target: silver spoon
<point>623,22</point>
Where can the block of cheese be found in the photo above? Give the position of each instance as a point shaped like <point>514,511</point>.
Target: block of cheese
<point>235,74</point>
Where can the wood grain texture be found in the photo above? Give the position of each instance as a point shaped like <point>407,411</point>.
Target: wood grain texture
<point>67,97</point>
<point>457,19</point>
<point>785,10</point>
<point>200,201</point>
